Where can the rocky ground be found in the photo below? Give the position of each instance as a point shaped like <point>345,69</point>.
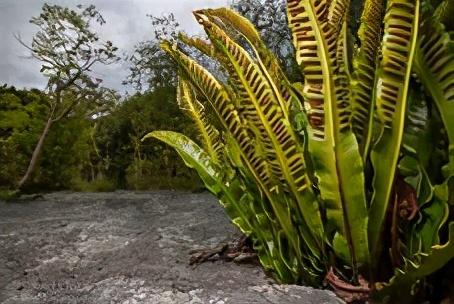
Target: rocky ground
<point>127,247</point>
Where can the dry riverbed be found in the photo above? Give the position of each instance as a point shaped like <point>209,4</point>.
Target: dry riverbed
<point>127,247</point>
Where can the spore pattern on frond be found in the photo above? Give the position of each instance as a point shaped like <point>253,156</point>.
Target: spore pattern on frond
<point>260,106</point>
<point>189,102</point>
<point>397,46</point>
<point>307,55</point>
<point>365,64</point>
<point>437,52</point>
<point>337,12</point>
<point>319,36</point>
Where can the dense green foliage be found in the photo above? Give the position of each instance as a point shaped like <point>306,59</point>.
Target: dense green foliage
<point>124,159</point>
<point>23,114</point>
<point>89,154</point>
<point>346,176</point>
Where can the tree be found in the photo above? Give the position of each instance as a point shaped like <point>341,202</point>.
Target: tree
<point>151,67</point>
<point>270,19</point>
<point>68,49</point>
<point>129,163</point>
<point>22,114</point>
<point>65,152</point>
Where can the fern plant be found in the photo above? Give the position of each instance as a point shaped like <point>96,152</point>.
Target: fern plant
<point>347,177</point>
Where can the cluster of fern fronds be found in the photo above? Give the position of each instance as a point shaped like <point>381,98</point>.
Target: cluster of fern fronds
<point>346,177</point>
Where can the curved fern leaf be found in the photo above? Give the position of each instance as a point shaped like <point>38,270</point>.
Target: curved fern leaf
<point>239,205</point>
<point>203,46</point>
<point>401,30</point>
<point>209,136</point>
<point>342,77</point>
<point>429,262</point>
<point>434,65</point>
<point>245,142</point>
<point>267,60</point>
<point>444,13</point>
<point>226,112</point>
<point>364,79</point>
<point>263,107</point>
<point>333,147</point>
<point>194,157</point>
<point>338,11</point>
<point>204,81</point>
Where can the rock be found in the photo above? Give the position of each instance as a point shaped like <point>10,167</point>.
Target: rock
<point>127,247</point>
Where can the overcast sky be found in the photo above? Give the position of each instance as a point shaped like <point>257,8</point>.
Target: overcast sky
<point>126,25</point>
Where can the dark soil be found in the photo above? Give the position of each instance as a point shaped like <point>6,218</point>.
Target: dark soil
<point>127,247</point>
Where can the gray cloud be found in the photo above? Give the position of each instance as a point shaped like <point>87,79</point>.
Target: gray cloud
<point>127,24</point>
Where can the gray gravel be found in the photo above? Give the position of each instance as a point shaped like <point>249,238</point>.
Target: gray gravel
<point>127,247</point>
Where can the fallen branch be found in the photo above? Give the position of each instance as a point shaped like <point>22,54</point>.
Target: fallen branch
<point>239,251</point>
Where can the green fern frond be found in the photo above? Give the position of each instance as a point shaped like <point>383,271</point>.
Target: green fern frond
<point>400,37</point>
<point>209,136</point>
<point>263,107</point>
<point>332,145</point>
<point>364,75</point>
<point>434,65</point>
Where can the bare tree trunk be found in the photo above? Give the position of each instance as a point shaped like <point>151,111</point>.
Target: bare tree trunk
<point>35,155</point>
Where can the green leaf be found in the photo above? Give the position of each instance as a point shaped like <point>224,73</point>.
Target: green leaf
<point>416,176</point>
<point>444,13</point>
<point>193,156</point>
<point>231,20</point>
<point>335,155</point>
<point>401,29</point>
<point>267,113</point>
<point>239,205</point>
<point>239,140</point>
<point>209,136</point>
<point>363,81</point>
<point>434,216</point>
<point>337,12</point>
<point>434,65</point>
<point>404,279</point>
<point>231,194</point>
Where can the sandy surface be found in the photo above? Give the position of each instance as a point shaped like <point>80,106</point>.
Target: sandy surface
<point>127,247</point>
